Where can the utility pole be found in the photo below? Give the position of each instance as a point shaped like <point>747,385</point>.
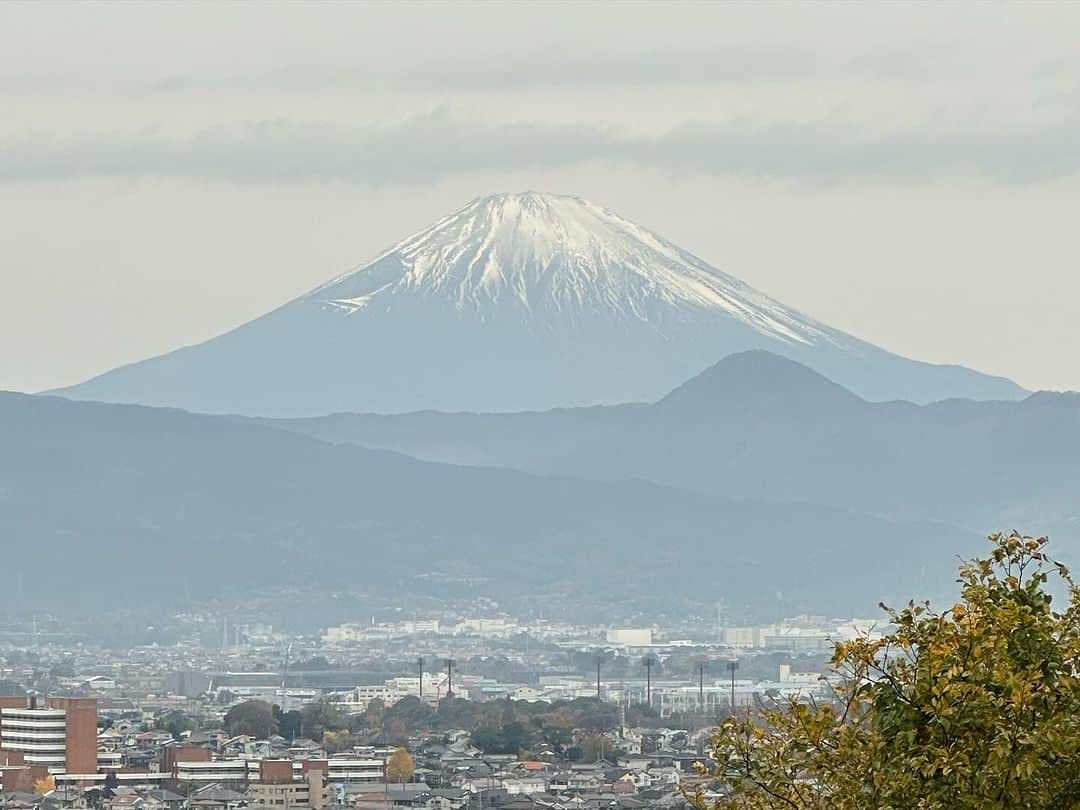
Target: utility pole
<point>449,677</point>
<point>283,696</point>
<point>701,686</point>
<point>599,660</point>
<point>420,664</point>
<point>647,662</point>
<point>385,782</point>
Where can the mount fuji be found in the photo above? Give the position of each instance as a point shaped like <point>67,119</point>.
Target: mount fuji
<point>515,302</point>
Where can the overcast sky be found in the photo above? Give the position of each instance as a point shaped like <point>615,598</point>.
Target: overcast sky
<point>909,173</point>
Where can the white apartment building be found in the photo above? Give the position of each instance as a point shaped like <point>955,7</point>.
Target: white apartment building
<point>345,633</point>
<point>39,733</point>
<point>223,770</point>
<point>393,690</point>
<point>355,769</point>
<point>630,636</point>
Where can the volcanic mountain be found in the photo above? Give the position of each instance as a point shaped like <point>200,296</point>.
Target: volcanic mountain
<point>514,302</point>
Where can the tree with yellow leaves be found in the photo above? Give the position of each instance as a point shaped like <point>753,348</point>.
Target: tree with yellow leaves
<point>400,767</point>
<point>44,786</point>
<point>973,708</point>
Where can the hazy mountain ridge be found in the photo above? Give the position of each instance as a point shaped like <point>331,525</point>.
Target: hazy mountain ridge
<point>200,505</point>
<point>527,440</point>
<point>515,302</point>
<point>760,426</point>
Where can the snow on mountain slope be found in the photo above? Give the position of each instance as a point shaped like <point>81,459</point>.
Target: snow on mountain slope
<point>515,302</point>
<point>550,258</point>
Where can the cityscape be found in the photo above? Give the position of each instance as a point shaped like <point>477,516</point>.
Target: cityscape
<point>160,725</point>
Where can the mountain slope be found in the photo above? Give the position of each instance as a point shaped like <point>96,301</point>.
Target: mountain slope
<point>757,425</point>
<point>515,302</point>
<point>150,502</point>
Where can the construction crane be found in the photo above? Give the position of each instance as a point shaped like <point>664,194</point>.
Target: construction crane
<point>281,695</point>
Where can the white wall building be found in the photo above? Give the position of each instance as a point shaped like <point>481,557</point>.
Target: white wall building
<point>630,636</point>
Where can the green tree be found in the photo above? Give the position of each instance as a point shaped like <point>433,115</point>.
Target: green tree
<point>176,723</point>
<point>320,717</point>
<point>225,697</point>
<point>393,732</point>
<point>591,748</point>
<point>976,707</point>
<point>334,742</point>
<point>252,717</point>
<point>487,738</point>
<point>412,714</point>
<point>455,712</point>
<point>374,713</point>
<point>289,723</point>
<point>556,736</point>
<point>318,663</point>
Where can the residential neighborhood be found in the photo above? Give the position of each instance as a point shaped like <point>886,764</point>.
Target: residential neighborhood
<point>440,713</point>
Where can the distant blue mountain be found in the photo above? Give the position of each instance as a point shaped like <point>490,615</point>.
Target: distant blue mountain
<point>761,426</point>
<point>516,302</point>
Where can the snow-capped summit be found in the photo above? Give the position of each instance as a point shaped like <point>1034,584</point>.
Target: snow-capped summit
<point>515,302</point>
<point>553,259</point>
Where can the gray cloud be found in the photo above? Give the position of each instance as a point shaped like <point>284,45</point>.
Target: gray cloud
<point>440,144</point>
<point>536,71</point>
<point>555,68</point>
<point>658,67</point>
<point>915,62</point>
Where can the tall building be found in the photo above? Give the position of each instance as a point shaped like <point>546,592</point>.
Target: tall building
<point>59,733</point>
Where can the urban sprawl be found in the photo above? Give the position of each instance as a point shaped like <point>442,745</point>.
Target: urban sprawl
<point>446,713</point>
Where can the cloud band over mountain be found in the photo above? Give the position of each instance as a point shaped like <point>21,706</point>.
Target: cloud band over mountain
<point>443,143</point>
